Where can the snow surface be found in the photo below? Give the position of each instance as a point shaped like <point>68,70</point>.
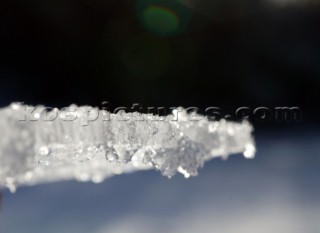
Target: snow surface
<point>88,144</point>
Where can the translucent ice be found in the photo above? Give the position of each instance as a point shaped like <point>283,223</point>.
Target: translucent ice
<point>89,144</point>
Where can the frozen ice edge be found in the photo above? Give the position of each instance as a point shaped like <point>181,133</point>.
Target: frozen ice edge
<point>74,146</point>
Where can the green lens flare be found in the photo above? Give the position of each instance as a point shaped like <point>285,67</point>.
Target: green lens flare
<point>160,20</point>
<point>163,17</point>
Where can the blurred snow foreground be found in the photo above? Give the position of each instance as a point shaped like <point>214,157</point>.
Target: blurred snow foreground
<point>88,144</point>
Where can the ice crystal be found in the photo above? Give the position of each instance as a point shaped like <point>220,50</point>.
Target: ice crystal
<point>89,144</point>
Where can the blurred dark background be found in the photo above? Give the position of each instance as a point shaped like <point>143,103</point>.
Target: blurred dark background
<point>161,53</point>
<point>170,53</point>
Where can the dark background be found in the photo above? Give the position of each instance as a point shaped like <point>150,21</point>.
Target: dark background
<point>224,53</point>
<point>229,54</point>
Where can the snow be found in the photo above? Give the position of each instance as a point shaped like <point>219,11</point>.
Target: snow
<point>87,144</point>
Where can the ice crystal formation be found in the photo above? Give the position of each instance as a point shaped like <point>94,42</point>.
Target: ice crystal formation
<point>68,144</point>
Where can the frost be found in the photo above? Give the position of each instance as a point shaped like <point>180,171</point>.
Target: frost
<point>91,145</point>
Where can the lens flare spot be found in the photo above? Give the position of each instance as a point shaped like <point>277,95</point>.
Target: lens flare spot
<point>160,20</point>
<point>163,17</point>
